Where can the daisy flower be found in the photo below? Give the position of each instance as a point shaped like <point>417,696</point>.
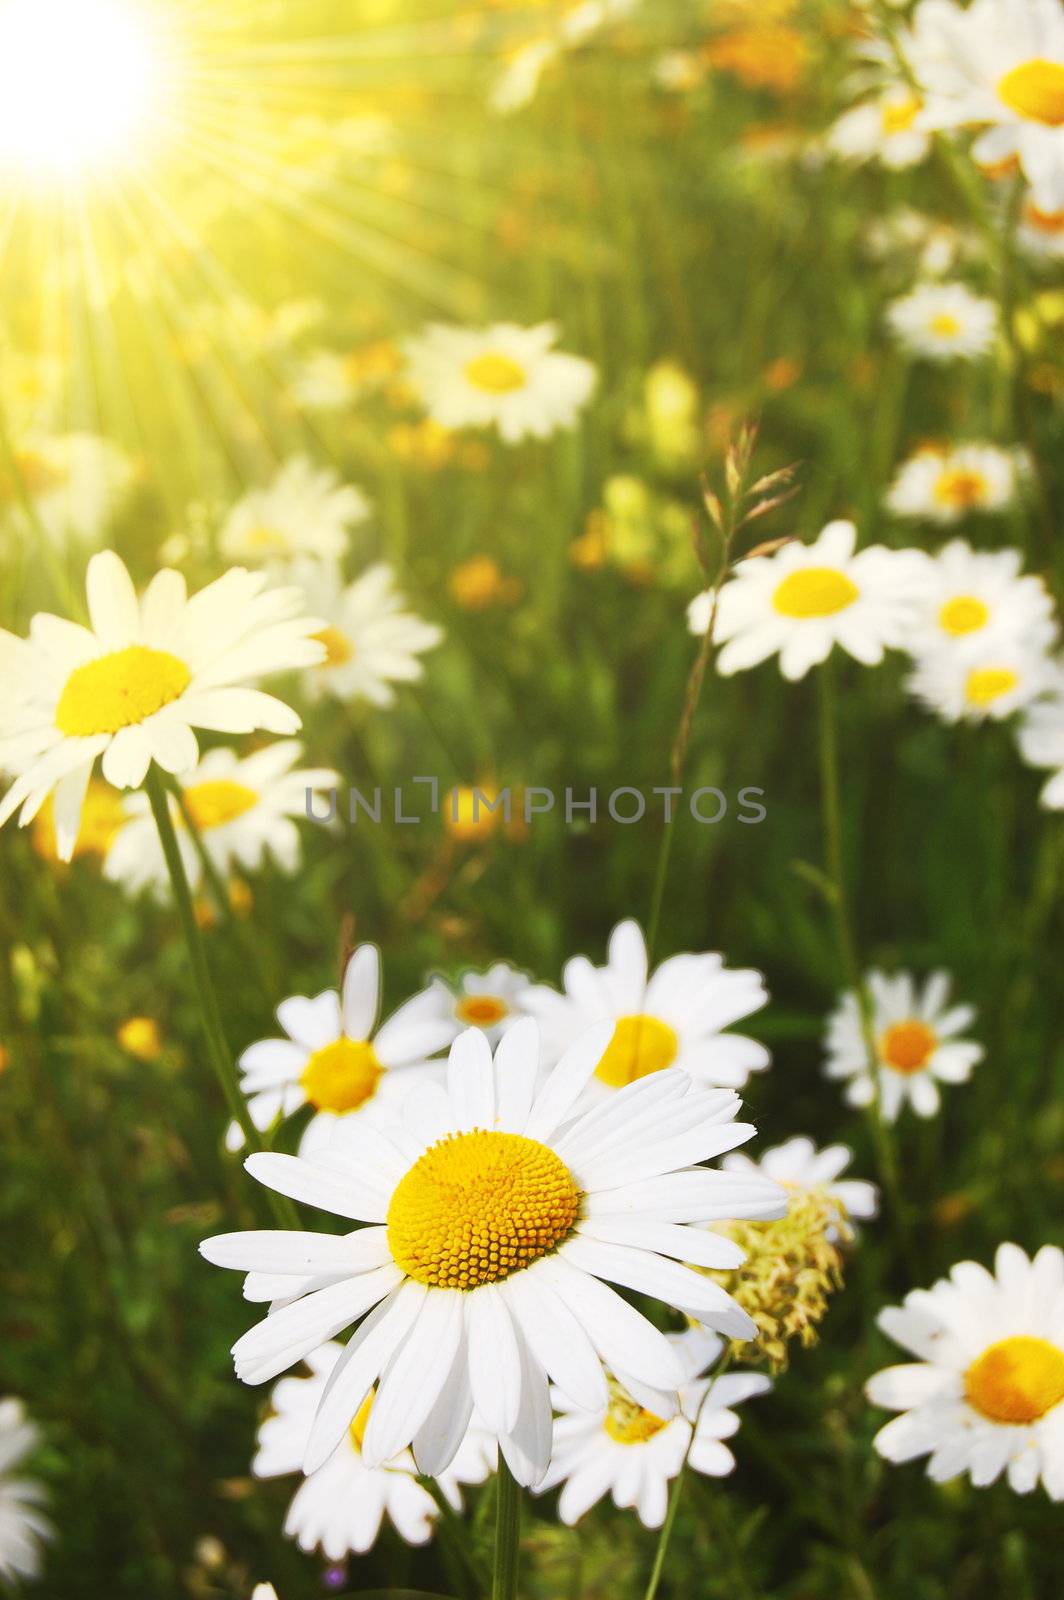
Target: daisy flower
<point>947,485</point>
<point>673,1017</point>
<point>806,598</point>
<point>985,679</point>
<point>488,1000</point>
<point>504,376</point>
<point>1040,232</point>
<point>628,1450</point>
<point>371,641</point>
<point>998,65</point>
<point>76,483</point>
<point>943,321</point>
<point>884,129</point>
<point>23,1527</point>
<point>306,510</point>
<point>497,1219</point>
<point>243,808</point>
<point>1041,738</point>
<point>801,1167</point>
<point>342,1505</point>
<point>977,596</point>
<point>986,1392</point>
<point>264,1591</point>
<point>918,1044</point>
<point>133,685</point>
<point>334,1057</point>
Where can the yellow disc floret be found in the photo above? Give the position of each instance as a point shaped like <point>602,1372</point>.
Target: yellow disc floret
<point>815,592</point>
<point>629,1423</point>
<point>338,647</point>
<point>118,690</point>
<point>341,1076</point>
<point>898,116</point>
<point>640,1045</point>
<point>984,685</point>
<point>495,373</point>
<point>218,801</point>
<point>945,325</point>
<point>1016,1380</point>
<point>478,1206</point>
<point>360,1421</point>
<point>1035,89</point>
<point>961,488</point>
<point>481,1010</point>
<point>963,614</point>
<point>908,1046</point>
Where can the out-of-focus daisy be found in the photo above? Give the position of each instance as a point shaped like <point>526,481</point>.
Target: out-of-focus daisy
<point>978,599</point>
<point>885,129</point>
<point>342,1505</point>
<point>504,376</point>
<point>806,598</point>
<point>943,322</point>
<point>497,1221</point>
<point>24,1529</point>
<point>75,483</point>
<point>103,813</point>
<point>334,1057</point>
<point>264,1591</point>
<point>306,510</point>
<point>799,1165</point>
<point>1040,232</point>
<point>489,1000</point>
<point>1041,738</point>
<point>916,242</point>
<point>243,808</point>
<point>673,1017</point>
<point>945,485</point>
<point>517,83</point>
<point>133,685</point>
<point>630,1451</point>
<point>983,680</point>
<point>998,65</point>
<point>371,640</point>
<point>917,1033</point>
<point>330,381</point>
<point>986,1392</point>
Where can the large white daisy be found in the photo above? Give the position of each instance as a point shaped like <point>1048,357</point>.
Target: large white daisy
<point>801,1167</point>
<point>673,1017</point>
<point>243,808</point>
<point>504,376</point>
<point>918,1040</point>
<point>804,599</point>
<point>371,640</point>
<point>342,1505</point>
<point>998,65</point>
<point>944,322</point>
<point>986,1392</point>
<point>946,485</point>
<point>496,1221</point>
<point>24,1529</point>
<point>306,510</point>
<point>132,687</point>
<point>1041,738</point>
<point>334,1057</point>
<point>630,1451</point>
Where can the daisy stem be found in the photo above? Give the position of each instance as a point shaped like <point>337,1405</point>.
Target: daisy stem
<point>507,1534</point>
<point>676,1491</point>
<point>453,1533</point>
<point>210,1014</point>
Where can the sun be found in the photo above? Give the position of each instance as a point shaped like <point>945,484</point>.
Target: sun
<point>82,87</point>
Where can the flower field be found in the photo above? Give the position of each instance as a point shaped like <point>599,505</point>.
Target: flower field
<point>531,772</point>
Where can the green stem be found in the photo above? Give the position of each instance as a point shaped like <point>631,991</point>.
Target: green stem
<point>453,1532</point>
<point>507,1534</point>
<point>210,1015</point>
<point>677,1489</point>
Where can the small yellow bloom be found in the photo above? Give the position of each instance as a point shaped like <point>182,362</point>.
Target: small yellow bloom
<point>480,582</point>
<point>468,816</point>
<point>141,1037</point>
<point>101,817</point>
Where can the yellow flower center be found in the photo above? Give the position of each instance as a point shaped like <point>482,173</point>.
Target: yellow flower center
<point>898,116</point>
<point>1048,222</point>
<point>963,614</point>
<point>908,1046</point>
<point>360,1421</point>
<point>628,1423</point>
<point>495,373</point>
<point>960,487</point>
<point>267,541</point>
<point>814,592</point>
<point>218,801</point>
<point>118,690</point>
<point>478,1206</point>
<point>342,1075</point>
<point>102,814</point>
<point>481,1010</point>
<point>338,647</point>
<point>1016,1380</point>
<point>984,685</point>
<point>640,1045</point>
<point>1035,89</point>
<point>945,325</point>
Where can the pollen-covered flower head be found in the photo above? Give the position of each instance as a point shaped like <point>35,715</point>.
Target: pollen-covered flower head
<point>944,322</point>
<point>131,687</point>
<point>985,1394</point>
<point>497,1216</point>
<point>504,376</point>
<point>804,599</point>
<point>919,1042</point>
<point>674,1016</point>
